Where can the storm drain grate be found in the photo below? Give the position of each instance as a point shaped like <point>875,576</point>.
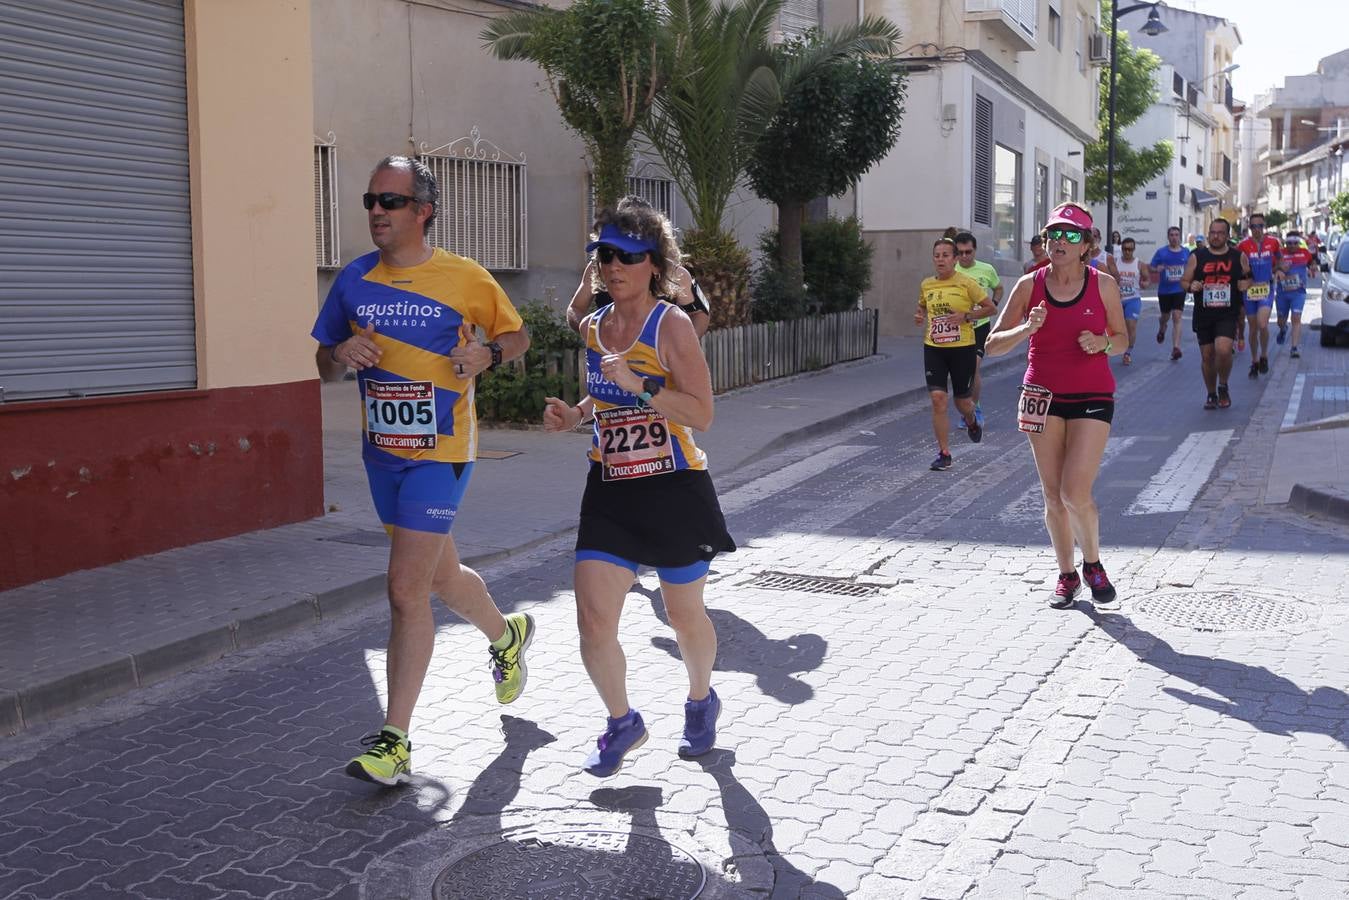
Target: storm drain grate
<point>1218,611</point>
<point>590,864</point>
<point>812,584</point>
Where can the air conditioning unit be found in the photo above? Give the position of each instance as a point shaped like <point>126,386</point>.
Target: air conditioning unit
<point>1098,48</point>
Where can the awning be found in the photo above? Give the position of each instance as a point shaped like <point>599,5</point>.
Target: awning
<point>1201,199</point>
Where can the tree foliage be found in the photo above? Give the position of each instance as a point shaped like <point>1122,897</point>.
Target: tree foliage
<point>1275,219</point>
<point>1135,92</point>
<point>1339,209</point>
<point>840,114</point>
<point>605,62</point>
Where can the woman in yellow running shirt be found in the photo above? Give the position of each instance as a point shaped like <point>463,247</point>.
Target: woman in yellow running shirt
<point>948,303</point>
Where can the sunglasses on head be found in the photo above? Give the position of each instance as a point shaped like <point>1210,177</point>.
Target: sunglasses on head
<point>386,200</point>
<point>1071,235</point>
<point>607,254</point>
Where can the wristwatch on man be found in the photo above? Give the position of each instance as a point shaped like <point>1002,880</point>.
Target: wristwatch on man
<point>496,354</point>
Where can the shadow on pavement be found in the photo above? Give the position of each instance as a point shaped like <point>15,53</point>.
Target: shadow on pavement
<point>745,815</point>
<point>744,648</point>
<point>499,782</point>
<point>1253,694</point>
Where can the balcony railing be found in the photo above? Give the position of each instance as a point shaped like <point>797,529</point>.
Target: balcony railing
<point>1015,20</point>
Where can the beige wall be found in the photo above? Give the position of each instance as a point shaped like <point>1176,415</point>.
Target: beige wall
<point>430,83</point>
<point>250,123</point>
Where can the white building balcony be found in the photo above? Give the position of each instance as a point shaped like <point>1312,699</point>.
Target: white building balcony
<point>1013,20</point>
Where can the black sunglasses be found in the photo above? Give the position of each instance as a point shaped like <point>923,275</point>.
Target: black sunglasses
<point>1070,235</point>
<point>607,254</point>
<point>386,200</point>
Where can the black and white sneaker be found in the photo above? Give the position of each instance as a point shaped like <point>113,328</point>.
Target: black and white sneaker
<point>1103,595</point>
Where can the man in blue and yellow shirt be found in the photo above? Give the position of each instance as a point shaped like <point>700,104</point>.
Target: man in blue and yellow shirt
<point>405,317</point>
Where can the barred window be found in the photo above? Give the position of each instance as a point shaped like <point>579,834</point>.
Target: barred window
<point>982,170</point>
<point>659,192</point>
<point>327,247</point>
<point>483,208</point>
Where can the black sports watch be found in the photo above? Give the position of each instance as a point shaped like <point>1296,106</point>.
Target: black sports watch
<point>496,354</point>
<point>650,387</point>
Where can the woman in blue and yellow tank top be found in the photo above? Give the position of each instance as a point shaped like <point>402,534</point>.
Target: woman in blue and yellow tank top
<point>649,499</point>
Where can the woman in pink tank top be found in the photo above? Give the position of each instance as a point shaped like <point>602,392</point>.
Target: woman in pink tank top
<point>1071,315</point>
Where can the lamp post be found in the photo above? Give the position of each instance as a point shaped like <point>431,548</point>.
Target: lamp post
<point>1152,28</point>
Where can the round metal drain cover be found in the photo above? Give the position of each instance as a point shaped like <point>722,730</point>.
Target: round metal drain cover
<point>1217,611</point>
<point>575,865</point>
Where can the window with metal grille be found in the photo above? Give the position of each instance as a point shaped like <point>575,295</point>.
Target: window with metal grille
<point>483,208</point>
<point>982,188</point>
<point>659,192</point>
<point>327,247</point>
<point>1041,194</point>
<point>1067,190</point>
<point>1178,84</point>
<point>798,17</point>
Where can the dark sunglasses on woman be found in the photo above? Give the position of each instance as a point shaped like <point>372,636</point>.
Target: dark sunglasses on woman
<point>607,254</point>
<point>1071,235</point>
<point>386,200</point>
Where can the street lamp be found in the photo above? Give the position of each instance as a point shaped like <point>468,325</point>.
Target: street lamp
<point>1151,28</point>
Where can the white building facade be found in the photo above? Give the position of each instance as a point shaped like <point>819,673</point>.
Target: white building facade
<point>1195,111</point>
<point>1002,99</point>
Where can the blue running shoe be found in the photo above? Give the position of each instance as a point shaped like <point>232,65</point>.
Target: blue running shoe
<point>621,736</point>
<point>700,725</point>
<point>1282,336</point>
<point>978,415</point>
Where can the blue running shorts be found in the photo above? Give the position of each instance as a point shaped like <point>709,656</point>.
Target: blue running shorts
<point>423,497</point>
<point>1133,308</point>
<point>1291,302</point>
<point>671,575</point>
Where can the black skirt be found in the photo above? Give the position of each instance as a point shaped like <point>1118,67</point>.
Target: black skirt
<point>665,521</point>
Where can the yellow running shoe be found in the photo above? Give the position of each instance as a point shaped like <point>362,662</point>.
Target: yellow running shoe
<point>387,762</point>
<point>508,663</point>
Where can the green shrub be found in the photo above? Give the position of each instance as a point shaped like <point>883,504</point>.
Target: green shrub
<point>514,392</point>
<point>837,272</point>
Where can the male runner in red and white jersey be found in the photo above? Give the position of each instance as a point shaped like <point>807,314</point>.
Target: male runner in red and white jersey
<point>1263,252</point>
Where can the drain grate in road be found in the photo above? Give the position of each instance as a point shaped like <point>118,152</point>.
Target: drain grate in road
<point>1220,611</point>
<point>596,865</point>
<point>812,584</point>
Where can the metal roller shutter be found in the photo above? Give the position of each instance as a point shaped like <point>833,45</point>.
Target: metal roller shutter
<point>96,273</point>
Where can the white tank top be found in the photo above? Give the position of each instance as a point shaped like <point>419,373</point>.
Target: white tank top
<point>1128,278</point>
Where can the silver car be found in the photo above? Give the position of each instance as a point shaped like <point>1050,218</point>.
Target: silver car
<point>1335,298</point>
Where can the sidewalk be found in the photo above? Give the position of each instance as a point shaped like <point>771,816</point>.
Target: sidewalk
<point>79,639</point>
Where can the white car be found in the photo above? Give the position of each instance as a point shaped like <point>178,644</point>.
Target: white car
<point>1335,298</point>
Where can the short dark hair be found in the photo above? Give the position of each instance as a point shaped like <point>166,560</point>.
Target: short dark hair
<point>424,186</point>
<point>1224,221</point>
<point>1176,229</point>
<point>1254,215</point>
<point>1128,240</point>
<point>964,237</point>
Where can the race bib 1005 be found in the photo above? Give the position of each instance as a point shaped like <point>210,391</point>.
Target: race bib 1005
<point>401,415</point>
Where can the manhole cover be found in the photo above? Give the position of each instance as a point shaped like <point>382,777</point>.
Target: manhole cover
<point>812,584</point>
<point>1212,611</point>
<point>575,865</point>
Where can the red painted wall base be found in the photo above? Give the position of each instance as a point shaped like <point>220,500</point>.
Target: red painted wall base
<point>85,483</point>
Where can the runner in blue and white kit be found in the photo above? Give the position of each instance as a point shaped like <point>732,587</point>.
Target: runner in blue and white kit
<point>1169,264</point>
<point>1132,274</point>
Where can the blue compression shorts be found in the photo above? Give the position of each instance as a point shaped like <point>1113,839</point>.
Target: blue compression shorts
<point>1133,307</point>
<point>424,497</point>
<point>1290,301</point>
<point>680,575</point>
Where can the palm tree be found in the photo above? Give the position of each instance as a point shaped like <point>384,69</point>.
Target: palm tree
<point>724,85</point>
<point>604,60</point>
